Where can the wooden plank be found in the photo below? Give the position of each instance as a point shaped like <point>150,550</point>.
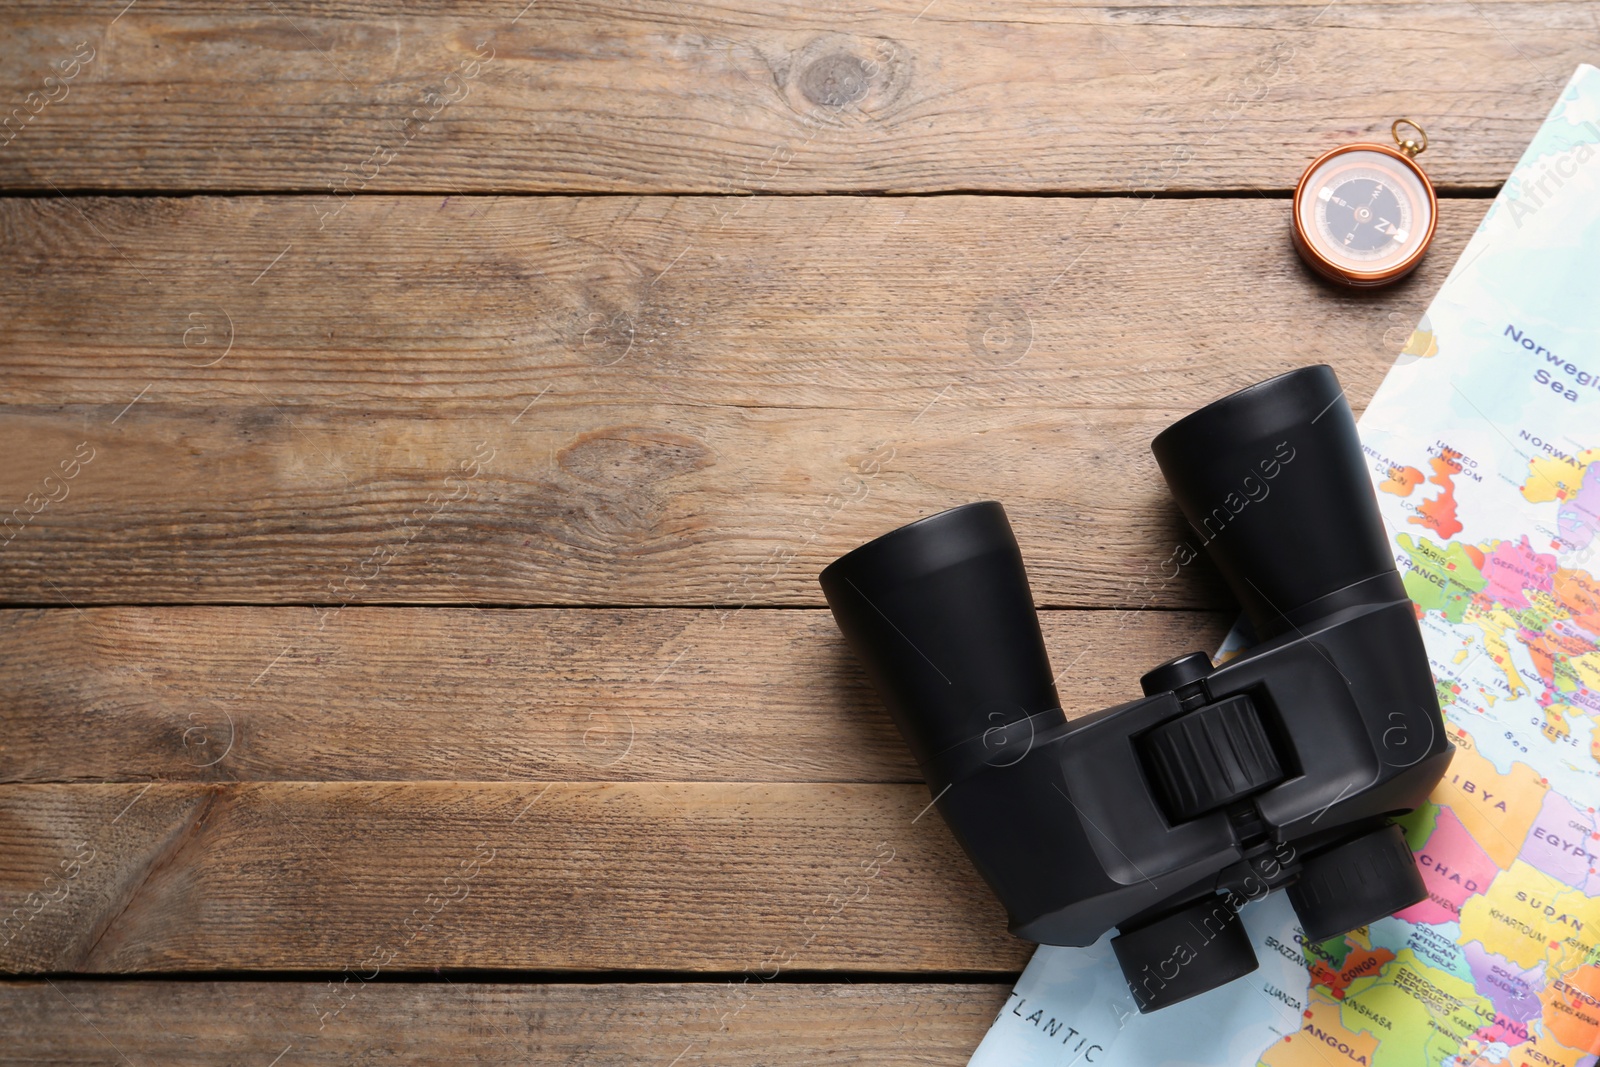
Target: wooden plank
<point>622,401</point>
<point>746,1021</point>
<point>378,694</point>
<point>692,877</point>
<point>795,97</point>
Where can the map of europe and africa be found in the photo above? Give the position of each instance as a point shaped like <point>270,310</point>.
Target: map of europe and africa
<point>1484,446</point>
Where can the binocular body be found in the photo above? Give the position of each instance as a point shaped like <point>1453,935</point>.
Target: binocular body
<point>1281,768</point>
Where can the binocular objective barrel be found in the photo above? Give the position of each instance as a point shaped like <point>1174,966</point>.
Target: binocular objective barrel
<point>1273,483</point>
<point>940,615</point>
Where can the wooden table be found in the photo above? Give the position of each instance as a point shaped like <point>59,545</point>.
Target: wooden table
<point>424,424</point>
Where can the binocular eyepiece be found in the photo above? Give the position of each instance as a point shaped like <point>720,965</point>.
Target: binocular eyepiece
<point>1281,768</point>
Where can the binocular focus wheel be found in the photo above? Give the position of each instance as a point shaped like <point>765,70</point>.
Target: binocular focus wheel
<point>1210,758</point>
<point>1356,883</point>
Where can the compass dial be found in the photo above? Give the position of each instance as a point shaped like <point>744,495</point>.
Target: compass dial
<point>1364,214</point>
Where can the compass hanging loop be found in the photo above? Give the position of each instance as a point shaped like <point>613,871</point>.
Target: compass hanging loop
<point>1410,146</point>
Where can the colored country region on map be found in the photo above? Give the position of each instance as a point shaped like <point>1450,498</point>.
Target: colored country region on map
<point>1531,919</point>
<point>1584,666</point>
<point>1441,578</point>
<point>1556,477</point>
<point>1502,1031</point>
<point>1512,571</point>
<point>1578,594</point>
<point>1564,843</point>
<point>1556,724</point>
<point>1514,992</point>
<point>1332,952</point>
<point>1401,480</point>
<point>1565,658</point>
<point>1439,514</point>
<point>1422,344</point>
<point>1497,809</point>
<point>1435,945</point>
<point>1578,519</point>
<point>1419,825</point>
<point>1358,962</point>
<point>1574,481</point>
<point>1321,1040</point>
<point>1572,1010</point>
<point>1543,609</point>
<point>1453,868</point>
<point>1420,1014</point>
<point>1495,623</point>
<point>1540,1050</point>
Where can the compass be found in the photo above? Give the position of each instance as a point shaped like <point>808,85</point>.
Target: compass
<point>1364,214</point>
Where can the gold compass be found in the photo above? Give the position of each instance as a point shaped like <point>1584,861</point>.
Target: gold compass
<point>1364,214</point>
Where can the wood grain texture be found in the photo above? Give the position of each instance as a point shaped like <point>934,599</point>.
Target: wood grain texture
<point>664,96</point>
<point>690,877</point>
<point>380,694</point>
<point>650,407</point>
<point>737,1024</point>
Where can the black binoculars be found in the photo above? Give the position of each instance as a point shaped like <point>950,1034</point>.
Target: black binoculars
<point>1281,768</point>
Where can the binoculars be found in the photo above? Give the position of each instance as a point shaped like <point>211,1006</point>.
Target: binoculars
<point>1280,768</point>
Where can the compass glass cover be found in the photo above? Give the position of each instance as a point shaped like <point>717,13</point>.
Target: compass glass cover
<point>1364,210</point>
